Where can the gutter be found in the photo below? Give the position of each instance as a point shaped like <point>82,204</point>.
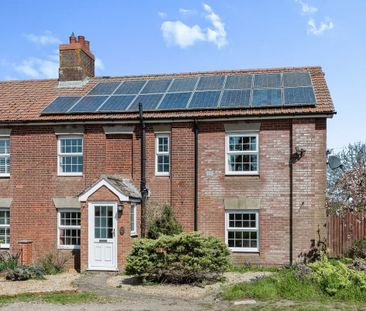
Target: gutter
<point>171,120</point>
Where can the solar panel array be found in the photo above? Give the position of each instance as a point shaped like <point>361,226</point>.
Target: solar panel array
<point>199,92</point>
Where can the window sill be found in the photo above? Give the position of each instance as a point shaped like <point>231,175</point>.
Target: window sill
<point>69,175</point>
<point>4,246</point>
<point>133,235</point>
<point>242,174</point>
<point>162,175</point>
<point>4,175</point>
<point>244,250</point>
<point>70,247</point>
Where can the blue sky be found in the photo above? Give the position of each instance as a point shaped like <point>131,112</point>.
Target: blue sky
<point>138,37</point>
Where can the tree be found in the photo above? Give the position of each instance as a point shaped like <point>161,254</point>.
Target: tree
<point>346,189</point>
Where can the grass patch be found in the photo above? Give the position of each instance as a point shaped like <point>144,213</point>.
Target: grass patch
<point>56,298</point>
<point>285,285</point>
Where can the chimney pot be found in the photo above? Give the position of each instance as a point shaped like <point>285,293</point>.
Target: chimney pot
<point>81,39</point>
<point>72,38</point>
<point>87,44</point>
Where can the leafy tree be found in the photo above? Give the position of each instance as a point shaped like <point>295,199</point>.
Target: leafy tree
<point>166,224</point>
<point>346,189</point>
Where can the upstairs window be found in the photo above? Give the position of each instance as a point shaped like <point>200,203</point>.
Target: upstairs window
<point>4,228</point>
<point>68,229</point>
<point>4,157</point>
<point>242,230</point>
<point>162,158</point>
<point>242,154</point>
<point>70,156</point>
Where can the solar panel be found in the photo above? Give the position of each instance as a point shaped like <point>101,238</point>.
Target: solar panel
<point>267,97</point>
<point>183,84</point>
<point>239,82</point>
<point>175,101</point>
<point>269,80</point>
<point>102,88</point>
<point>89,104</point>
<point>61,104</point>
<point>156,86</point>
<point>293,79</point>
<point>130,87</point>
<point>208,99</point>
<point>299,96</point>
<point>117,103</point>
<point>245,90</point>
<point>149,102</point>
<point>211,82</point>
<point>235,98</point>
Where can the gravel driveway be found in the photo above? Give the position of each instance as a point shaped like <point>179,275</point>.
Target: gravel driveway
<point>124,296</point>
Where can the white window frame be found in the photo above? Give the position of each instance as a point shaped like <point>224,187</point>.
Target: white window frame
<point>5,155</point>
<point>133,219</point>
<point>161,153</point>
<point>256,229</point>
<point>59,227</point>
<point>5,245</point>
<point>60,155</point>
<point>247,152</point>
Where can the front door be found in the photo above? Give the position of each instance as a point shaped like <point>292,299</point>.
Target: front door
<point>102,236</point>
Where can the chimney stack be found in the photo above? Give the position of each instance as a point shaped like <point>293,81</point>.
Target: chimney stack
<point>76,60</point>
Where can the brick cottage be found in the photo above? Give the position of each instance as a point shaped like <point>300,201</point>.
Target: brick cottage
<point>238,154</point>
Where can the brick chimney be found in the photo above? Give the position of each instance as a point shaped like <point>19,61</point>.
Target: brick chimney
<point>76,60</point>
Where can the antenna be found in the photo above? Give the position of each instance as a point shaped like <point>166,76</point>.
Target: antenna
<point>334,162</point>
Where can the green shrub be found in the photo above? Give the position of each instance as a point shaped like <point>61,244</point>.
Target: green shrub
<point>358,249</point>
<point>184,258</point>
<point>54,262</point>
<point>8,261</point>
<point>166,224</point>
<point>23,273</point>
<point>335,276</point>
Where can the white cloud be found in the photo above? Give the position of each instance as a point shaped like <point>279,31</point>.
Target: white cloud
<point>180,34</point>
<point>318,30</point>
<point>99,65</point>
<point>37,68</point>
<point>46,39</point>
<point>187,12</point>
<point>162,14</point>
<point>183,35</point>
<point>306,8</point>
<point>217,35</point>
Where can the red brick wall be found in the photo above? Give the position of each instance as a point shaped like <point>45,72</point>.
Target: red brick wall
<point>34,182</point>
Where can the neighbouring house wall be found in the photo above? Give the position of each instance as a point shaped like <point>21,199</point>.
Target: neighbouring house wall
<point>34,182</point>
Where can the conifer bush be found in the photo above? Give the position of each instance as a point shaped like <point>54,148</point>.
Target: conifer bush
<point>186,258</point>
<point>166,224</point>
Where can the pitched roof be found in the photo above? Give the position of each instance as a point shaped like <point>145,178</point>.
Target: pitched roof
<point>23,101</point>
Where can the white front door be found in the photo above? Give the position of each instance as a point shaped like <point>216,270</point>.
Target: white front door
<point>102,236</point>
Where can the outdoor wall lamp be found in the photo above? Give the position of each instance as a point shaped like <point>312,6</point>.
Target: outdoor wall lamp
<point>300,152</point>
<point>120,207</point>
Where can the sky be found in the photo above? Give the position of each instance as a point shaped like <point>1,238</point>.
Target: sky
<point>131,37</point>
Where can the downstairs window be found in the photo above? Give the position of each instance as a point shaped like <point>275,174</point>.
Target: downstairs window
<point>242,230</point>
<point>4,228</point>
<point>68,229</point>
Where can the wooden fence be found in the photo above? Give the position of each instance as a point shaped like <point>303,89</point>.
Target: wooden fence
<point>343,231</point>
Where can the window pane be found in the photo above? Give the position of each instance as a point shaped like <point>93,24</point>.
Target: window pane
<point>163,163</point>
<point>242,220</point>
<point>71,164</point>
<point>242,143</point>
<point>4,146</point>
<point>242,163</point>
<point>163,144</point>
<point>132,218</point>
<point>71,145</point>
